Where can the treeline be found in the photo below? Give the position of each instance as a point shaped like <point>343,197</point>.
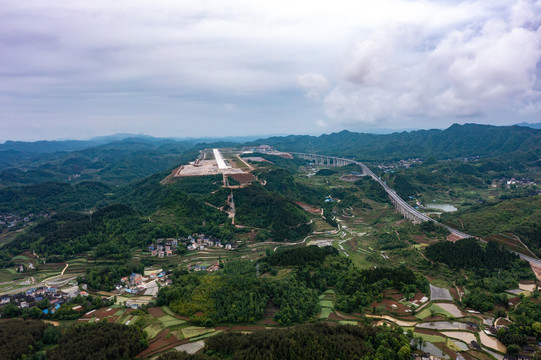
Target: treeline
<point>281,181</point>
<point>111,232</point>
<point>312,341</point>
<point>486,270</point>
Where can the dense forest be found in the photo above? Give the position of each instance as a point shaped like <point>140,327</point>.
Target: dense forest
<point>472,255</point>
<point>312,341</point>
<point>491,270</point>
<point>19,338</point>
<point>100,341</point>
<point>48,197</point>
<point>260,208</point>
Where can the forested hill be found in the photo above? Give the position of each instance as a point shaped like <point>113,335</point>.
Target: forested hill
<point>456,141</point>
<point>114,163</point>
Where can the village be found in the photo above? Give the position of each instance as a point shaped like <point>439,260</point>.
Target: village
<point>133,291</point>
<point>11,221</point>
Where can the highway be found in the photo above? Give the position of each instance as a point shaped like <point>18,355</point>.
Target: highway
<point>404,205</point>
<point>400,204</point>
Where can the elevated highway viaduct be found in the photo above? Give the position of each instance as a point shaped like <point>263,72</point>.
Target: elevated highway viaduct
<point>400,204</point>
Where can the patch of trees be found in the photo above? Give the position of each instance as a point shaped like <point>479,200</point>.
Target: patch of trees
<point>231,296</point>
<point>389,241</point>
<point>102,340</point>
<point>470,254</point>
<point>237,295</point>
<point>325,172</point>
<point>104,277</point>
<point>281,181</point>
<point>114,230</point>
<point>372,190</point>
<point>199,185</point>
<point>358,288</point>
<point>526,322</point>
<point>403,186</point>
<point>19,338</point>
<point>311,341</point>
<point>481,300</point>
<point>257,207</point>
<point>297,302</point>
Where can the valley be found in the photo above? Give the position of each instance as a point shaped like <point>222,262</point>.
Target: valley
<point>240,240</point>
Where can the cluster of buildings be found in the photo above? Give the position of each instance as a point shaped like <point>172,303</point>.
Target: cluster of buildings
<point>265,149</point>
<point>35,296</point>
<point>210,268</point>
<point>201,242</point>
<point>514,181</point>
<point>163,247</point>
<point>167,247</point>
<point>258,149</point>
<point>399,164</point>
<point>11,220</point>
<point>138,284</point>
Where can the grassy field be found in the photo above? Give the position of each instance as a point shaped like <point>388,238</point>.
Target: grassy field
<point>153,330</point>
<point>325,312</point>
<point>326,303</point>
<point>168,321</point>
<point>431,338</point>
<point>201,337</point>
<point>193,331</point>
<point>322,225</point>
<point>433,309</point>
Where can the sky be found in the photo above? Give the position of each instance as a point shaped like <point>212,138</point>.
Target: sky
<point>179,68</point>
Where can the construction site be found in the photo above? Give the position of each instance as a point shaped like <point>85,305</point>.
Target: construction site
<point>236,171</point>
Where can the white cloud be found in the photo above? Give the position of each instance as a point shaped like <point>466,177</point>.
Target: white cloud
<point>314,85</point>
<point>369,61</point>
<point>406,71</point>
<point>321,123</point>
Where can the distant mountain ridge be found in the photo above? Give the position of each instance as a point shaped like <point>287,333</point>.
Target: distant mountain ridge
<point>52,146</point>
<point>530,125</point>
<point>456,141</point>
